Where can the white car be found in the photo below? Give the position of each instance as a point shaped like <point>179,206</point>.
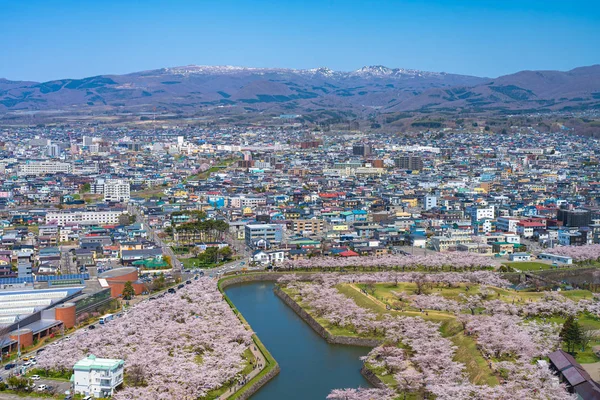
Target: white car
<point>41,388</point>
<point>35,377</point>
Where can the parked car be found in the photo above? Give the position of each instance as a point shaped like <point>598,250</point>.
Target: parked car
<point>41,388</point>
<point>92,327</point>
<point>40,350</point>
<point>171,290</point>
<point>35,377</point>
<point>188,282</point>
<point>9,366</point>
<point>180,286</point>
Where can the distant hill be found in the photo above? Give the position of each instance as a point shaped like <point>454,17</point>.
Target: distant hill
<point>205,89</point>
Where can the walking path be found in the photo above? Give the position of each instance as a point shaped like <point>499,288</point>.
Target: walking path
<point>259,364</point>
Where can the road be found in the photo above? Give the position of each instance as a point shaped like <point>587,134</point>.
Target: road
<point>67,265</point>
<point>152,235</point>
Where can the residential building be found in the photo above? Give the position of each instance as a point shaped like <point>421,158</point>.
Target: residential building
<point>44,167</point>
<point>117,190</point>
<point>308,226</point>
<point>97,377</point>
<point>62,218</point>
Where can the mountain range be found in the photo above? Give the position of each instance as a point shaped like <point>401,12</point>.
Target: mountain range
<point>199,90</point>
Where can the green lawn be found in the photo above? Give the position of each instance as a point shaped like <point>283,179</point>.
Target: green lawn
<point>383,291</point>
<point>189,263</point>
<point>477,367</point>
<point>529,265</point>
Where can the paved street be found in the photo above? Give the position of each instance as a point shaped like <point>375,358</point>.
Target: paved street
<point>67,265</point>
<point>141,218</point>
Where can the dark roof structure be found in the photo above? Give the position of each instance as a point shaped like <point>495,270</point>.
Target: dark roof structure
<point>577,379</point>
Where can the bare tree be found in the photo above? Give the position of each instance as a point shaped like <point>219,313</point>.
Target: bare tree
<point>136,376</point>
<point>421,285</point>
<point>587,336</point>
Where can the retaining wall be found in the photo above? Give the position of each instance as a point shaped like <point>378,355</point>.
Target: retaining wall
<point>317,327</point>
<point>372,378</point>
<point>348,340</point>
<point>260,383</point>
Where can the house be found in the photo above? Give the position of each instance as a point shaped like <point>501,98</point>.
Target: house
<point>84,257</point>
<point>577,379</point>
<point>97,377</point>
<point>268,257</point>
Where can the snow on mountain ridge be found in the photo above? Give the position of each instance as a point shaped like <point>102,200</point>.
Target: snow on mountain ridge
<point>366,71</point>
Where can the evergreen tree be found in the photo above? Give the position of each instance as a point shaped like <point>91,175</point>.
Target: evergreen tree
<point>128,291</point>
<point>570,334</point>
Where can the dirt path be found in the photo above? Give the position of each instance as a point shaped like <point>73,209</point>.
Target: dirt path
<point>260,359</point>
<point>593,369</point>
<point>406,312</point>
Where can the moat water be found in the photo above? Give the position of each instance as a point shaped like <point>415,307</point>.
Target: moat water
<point>310,367</point>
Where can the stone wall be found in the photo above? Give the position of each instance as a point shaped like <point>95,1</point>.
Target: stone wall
<point>260,383</point>
<point>245,278</point>
<point>347,340</point>
<point>372,378</point>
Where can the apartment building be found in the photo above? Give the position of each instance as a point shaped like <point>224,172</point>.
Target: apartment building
<point>43,168</point>
<point>62,218</point>
<point>308,226</point>
<point>243,201</point>
<point>117,190</point>
<point>409,162</point>
<point>507,224</point>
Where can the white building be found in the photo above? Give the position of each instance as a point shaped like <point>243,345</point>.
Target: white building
<point>116,190</point>
<point>61,218</point>
<point>268,257</point>
<point>479,213</point>
<point>44,167</point>
<point>243,201</point>
<point>430,202</point>
<point>97,377</point>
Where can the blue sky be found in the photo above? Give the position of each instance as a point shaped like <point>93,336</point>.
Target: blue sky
<point>44,40</point>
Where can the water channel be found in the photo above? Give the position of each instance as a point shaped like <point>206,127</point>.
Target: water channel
<point>310,367</point>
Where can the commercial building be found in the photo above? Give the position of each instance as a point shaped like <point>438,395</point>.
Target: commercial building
<point>263,235</point>
<point>97,377</point>
<point>555,259</point>
<point>363,150</point>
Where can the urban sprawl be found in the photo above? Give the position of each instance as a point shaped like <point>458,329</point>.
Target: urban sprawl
<point>113,239</point>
